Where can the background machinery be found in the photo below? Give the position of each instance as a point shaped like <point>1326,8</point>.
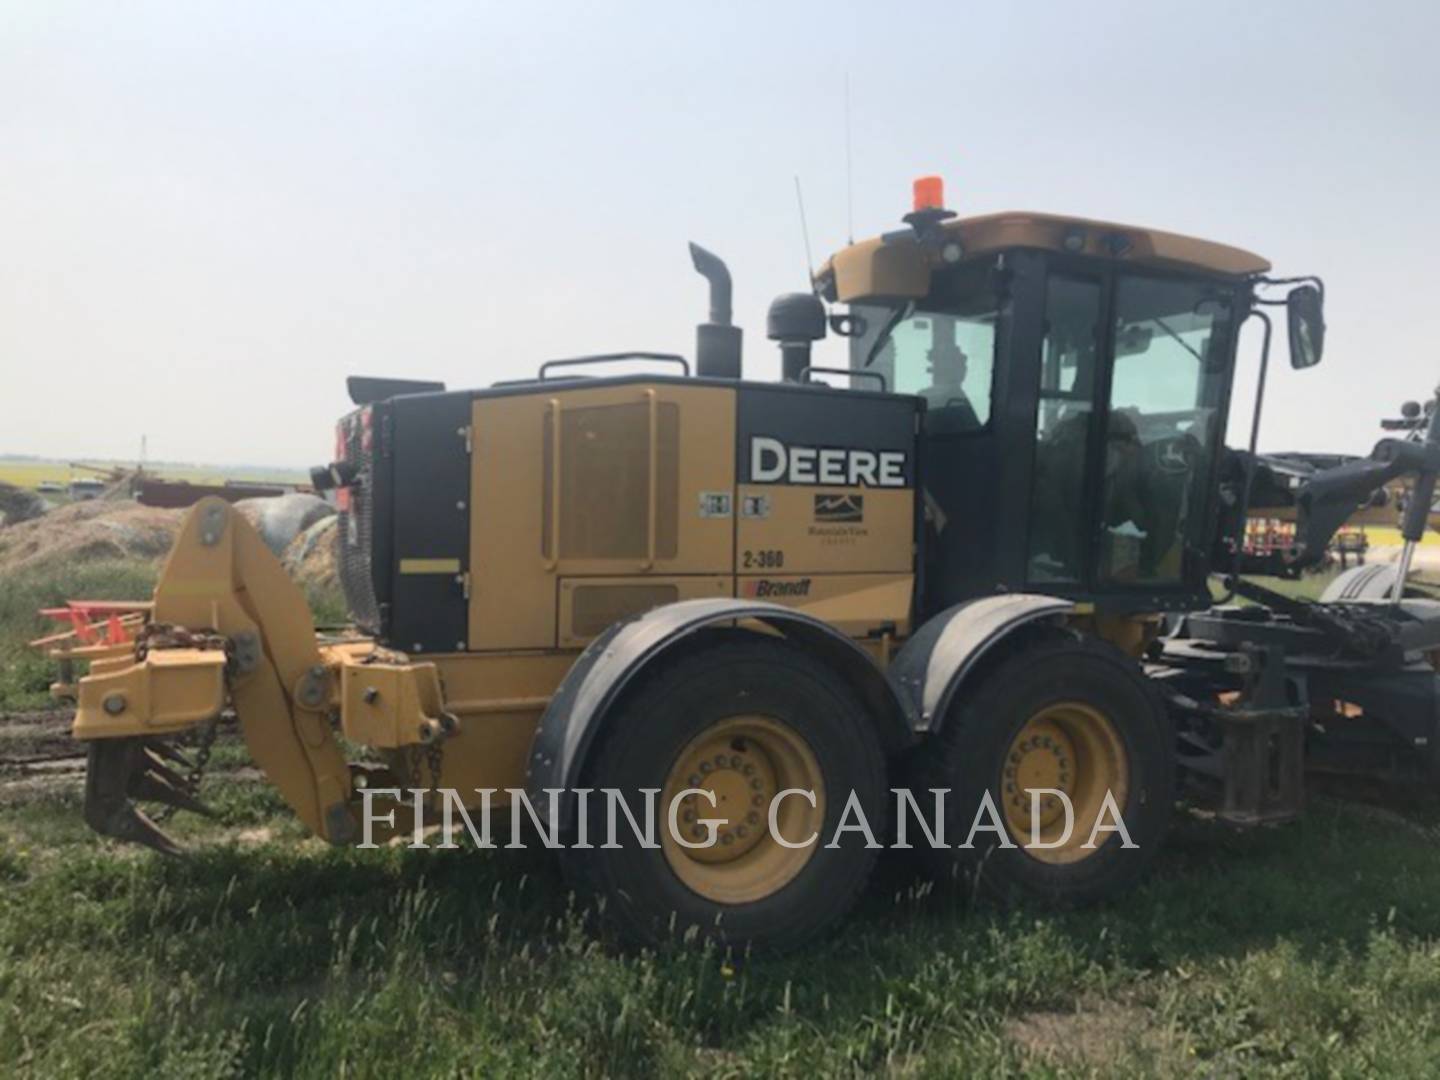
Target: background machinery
<point>955,574</point>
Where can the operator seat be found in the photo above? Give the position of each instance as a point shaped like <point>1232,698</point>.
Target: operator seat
<point>947,407</point>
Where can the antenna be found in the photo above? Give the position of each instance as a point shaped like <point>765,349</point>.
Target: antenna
<point>805,235</point>
<point>849,171</point>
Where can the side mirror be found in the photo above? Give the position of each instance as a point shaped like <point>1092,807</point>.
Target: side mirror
<point>1305,309</point>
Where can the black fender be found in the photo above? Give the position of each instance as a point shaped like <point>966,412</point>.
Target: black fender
<point>614,660</point>
<point>928,671</point>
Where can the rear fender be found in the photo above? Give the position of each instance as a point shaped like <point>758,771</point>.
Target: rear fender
<point>934,664</point>
<point>618,658</point>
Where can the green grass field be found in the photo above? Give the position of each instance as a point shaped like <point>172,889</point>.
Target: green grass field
<point>1311,949</point>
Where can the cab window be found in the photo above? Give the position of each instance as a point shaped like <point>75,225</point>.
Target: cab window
<point>945,354</point>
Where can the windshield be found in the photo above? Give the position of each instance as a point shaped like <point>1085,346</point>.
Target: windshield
<point>943,351</point>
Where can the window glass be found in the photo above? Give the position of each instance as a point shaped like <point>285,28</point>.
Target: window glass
<point>1171,341</point>
<point>1062,430</point>
<point>949,360</point>
<point>945,354</point>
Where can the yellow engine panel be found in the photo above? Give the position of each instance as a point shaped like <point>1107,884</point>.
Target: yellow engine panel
<point>593,503</point>
<point>607,482</point>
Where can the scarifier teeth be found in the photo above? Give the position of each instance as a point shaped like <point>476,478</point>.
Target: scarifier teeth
<point>150,762</point>
<point>169,752</point>
<point>132,825</point>
<point>153,786</point>
<point>112,765</point>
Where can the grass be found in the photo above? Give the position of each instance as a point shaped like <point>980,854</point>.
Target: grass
<point>25,674</point>
<point>1312,949</point>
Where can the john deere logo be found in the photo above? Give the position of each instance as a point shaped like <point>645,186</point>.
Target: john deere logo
<point>1174,457</point>
<point>836,508</point>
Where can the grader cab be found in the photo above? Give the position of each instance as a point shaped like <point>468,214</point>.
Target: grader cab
<point>770,604</point>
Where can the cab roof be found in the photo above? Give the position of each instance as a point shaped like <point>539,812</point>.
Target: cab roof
<point>898,267</point>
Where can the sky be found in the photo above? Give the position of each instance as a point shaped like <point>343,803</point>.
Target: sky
<point>210,214</point>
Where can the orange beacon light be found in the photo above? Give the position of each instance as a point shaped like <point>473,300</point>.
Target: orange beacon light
<point>929,193</point>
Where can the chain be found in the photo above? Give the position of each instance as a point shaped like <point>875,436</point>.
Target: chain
<point>204,744</point>
<point>433,757</point>
<point>171,636</point>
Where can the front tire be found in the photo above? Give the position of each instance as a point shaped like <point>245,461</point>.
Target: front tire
<point>743,718</point>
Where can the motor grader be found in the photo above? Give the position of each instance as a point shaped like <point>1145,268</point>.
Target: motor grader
<point>964,575</point>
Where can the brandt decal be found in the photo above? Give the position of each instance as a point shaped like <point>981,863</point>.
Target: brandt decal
<point>766,589</point>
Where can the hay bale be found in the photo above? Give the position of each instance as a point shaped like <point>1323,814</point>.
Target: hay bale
<point>279,519</point>
<point>310,558</point>
<point>89,531</point>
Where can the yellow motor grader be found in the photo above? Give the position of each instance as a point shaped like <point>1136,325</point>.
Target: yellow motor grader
<point>771,603</point>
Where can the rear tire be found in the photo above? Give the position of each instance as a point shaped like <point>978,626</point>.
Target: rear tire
<point>758,715</point>
<point>1076,715</point>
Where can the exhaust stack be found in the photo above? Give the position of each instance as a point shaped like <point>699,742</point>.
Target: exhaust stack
<point>717,342</point>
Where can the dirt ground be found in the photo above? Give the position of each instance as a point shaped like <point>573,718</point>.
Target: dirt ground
<point>40,736</point>
<point>38,756</point>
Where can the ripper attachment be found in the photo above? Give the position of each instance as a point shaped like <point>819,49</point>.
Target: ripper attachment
<point>151,769</point>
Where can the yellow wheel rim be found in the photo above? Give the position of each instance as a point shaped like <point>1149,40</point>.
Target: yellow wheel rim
<point>743,762</point>
<point>1073,748</point>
